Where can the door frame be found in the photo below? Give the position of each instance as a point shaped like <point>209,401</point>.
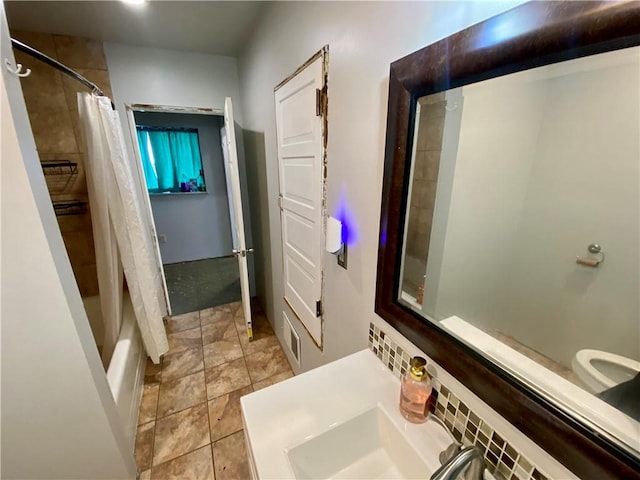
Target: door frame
<point>324,54</point>
<point>130,108</point>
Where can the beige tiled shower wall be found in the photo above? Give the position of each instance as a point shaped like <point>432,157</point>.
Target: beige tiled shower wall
<point>423,189</point>
<point>51,102</point>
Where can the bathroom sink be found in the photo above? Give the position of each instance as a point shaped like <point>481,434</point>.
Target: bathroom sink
<point>366,446</point>
<point>340,420</point>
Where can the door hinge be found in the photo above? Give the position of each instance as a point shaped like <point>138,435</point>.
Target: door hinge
<point>318,308</point>
<point>321,101</point>
<point>241,253</point>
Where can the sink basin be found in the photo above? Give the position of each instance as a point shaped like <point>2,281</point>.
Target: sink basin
<point>340,420</point>
<point>367,446</point>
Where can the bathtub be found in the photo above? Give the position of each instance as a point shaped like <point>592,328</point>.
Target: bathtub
<point>125,372</point>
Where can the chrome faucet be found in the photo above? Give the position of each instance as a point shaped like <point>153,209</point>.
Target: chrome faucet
<point>455,466</point>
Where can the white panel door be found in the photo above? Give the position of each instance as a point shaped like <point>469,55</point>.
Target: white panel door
<point>301,177</point>
<point>232,174</point>
<point>227,177</point>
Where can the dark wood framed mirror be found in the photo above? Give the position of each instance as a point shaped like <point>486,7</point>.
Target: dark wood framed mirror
<point>538,34</point>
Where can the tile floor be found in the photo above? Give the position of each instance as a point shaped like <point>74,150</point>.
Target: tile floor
<point>547,362</point>
<point>202,283</point>
<point>190,424</point>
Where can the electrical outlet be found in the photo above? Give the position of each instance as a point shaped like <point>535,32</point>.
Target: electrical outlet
<point>342,256</point>
<point>162,238</point>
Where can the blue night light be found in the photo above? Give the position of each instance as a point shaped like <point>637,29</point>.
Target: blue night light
<point>345,215</point>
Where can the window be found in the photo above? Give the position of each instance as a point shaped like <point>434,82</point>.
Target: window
<point>171,159</point>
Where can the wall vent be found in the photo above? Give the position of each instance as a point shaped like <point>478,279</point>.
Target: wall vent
<point>291,338</point>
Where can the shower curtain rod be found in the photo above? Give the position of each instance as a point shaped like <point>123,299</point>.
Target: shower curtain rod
<point>23,47</point>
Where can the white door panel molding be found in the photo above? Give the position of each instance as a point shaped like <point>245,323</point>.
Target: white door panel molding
<point>301,131</point>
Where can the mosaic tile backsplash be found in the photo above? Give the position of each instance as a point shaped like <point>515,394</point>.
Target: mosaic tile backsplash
<point>501,458</point>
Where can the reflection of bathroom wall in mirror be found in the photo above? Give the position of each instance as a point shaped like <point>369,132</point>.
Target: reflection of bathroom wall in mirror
<point>430,117</point>
<point>531,168</point>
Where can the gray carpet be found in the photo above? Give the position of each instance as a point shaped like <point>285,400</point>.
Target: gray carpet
<point>202,283</point>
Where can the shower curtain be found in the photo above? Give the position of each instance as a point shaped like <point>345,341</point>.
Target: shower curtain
<point>114,182</point>
<point>108,265</point>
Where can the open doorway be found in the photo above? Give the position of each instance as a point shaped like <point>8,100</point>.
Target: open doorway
<point>182,157</point>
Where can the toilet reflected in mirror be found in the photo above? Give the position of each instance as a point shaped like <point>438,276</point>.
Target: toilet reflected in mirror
<point>603,370</point>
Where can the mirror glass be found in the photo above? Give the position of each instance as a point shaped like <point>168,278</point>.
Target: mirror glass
<point>521,235</point>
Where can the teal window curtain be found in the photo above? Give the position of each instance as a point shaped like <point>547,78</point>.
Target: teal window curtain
<point>148,163</point>
<point>185,152</point>
<point>171,160</point>
<point>161,151</point>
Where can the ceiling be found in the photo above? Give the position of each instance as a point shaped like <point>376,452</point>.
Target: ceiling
<point>214,27</point>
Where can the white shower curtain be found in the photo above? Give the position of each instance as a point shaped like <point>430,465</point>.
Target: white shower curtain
<point>108,266</point>
<point>110,167</point>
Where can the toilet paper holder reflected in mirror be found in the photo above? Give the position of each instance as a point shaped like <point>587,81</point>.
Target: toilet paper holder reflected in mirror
<point>593,262</point>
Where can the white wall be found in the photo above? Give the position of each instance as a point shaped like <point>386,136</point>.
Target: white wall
<point>59,419</point>
<point>496,149</point>
<point>170,77</point>
<point>364,38</point>
<point>583,188</point>
<point>195,226</point>
<point>176,78</point>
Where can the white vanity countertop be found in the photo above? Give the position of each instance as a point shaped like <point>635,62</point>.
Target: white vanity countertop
<point>284,415</point>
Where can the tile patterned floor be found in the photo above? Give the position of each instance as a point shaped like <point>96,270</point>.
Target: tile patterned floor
<point>190,425</point>
<point>202,283</point>
<point>539,358</point>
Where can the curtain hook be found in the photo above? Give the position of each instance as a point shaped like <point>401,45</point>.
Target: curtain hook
<point>18,70</point>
